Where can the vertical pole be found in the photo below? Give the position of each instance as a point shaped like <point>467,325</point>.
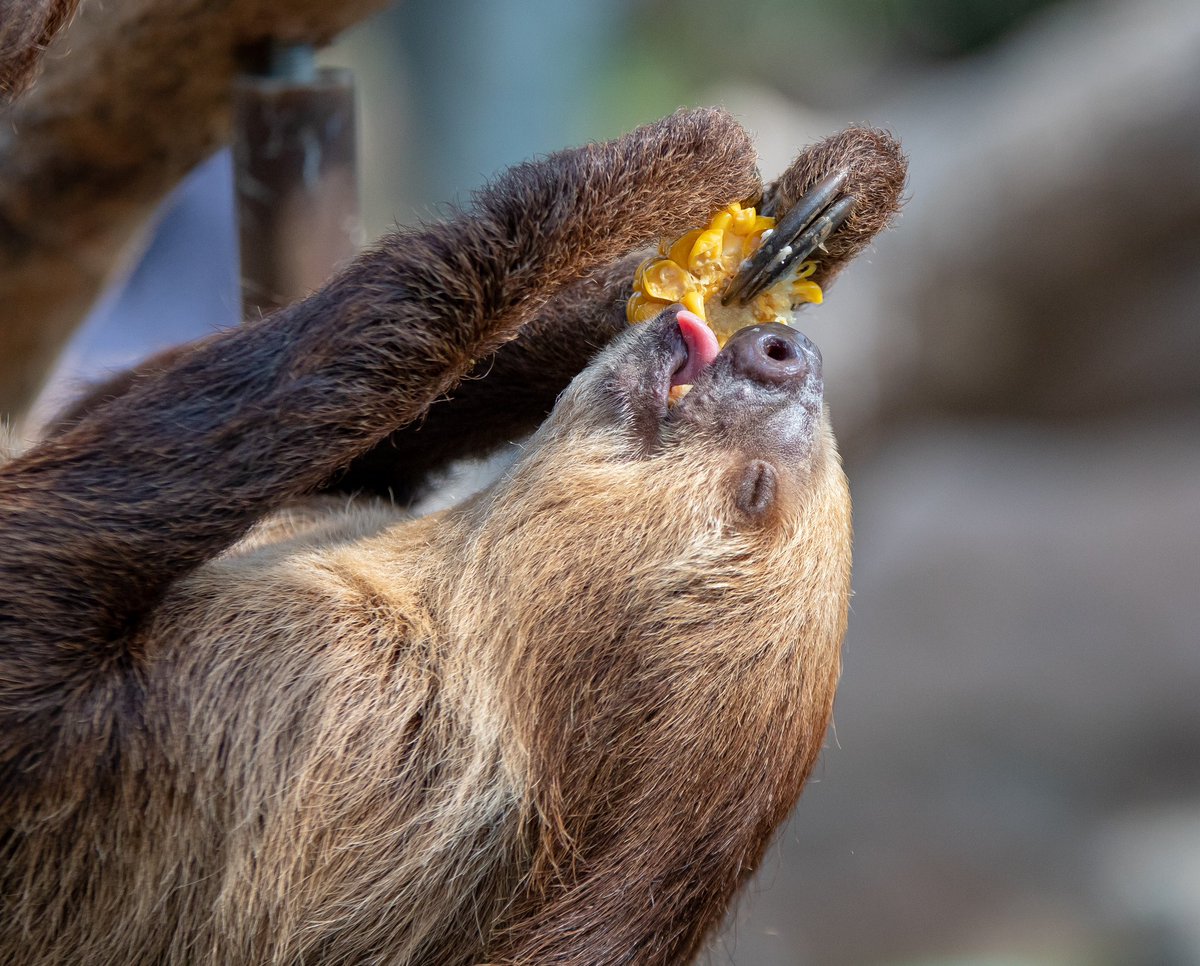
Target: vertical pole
<point>295,176</point>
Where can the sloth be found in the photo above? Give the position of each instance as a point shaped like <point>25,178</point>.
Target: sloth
<point>253,710</point>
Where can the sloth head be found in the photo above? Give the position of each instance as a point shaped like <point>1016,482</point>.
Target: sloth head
<point>663,591</point>
<point>721,520</point>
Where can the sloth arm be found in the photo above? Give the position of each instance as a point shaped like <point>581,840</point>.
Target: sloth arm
<point>507,394</point>
<point>504,397</point>
<point>97,521</point>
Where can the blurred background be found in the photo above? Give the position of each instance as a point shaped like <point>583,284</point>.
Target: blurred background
<point>1014,374</point>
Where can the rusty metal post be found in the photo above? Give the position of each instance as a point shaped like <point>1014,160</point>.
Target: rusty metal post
<point>295,176</point>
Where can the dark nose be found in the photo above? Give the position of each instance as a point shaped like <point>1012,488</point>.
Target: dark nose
<point>775,354</point>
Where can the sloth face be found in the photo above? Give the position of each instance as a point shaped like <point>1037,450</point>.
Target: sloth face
<point>761,393</point>
<point>722,521</point>
<point>749,436</point>
<point>732,492</point>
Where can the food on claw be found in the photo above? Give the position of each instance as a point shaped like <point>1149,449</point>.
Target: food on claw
<point>696,268</point>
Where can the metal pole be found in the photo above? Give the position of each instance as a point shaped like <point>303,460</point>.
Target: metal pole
<point>295,176</point>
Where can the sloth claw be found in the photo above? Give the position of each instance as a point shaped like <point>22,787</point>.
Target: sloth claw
<point>816,215</point>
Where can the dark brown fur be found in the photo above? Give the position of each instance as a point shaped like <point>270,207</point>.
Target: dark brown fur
<point>556,724</point>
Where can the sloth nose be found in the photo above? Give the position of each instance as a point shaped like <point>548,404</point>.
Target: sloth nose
<point>775,354</point>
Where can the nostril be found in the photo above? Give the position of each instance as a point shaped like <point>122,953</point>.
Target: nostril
<point>778,350</point>
<point>772,353</point>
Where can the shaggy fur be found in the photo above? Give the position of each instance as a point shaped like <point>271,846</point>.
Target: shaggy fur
<point>557,723</point>
<point>26,28</point>
<point>508,394</point>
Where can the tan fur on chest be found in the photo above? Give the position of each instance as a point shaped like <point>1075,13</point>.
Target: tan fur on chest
<point>337,723</point>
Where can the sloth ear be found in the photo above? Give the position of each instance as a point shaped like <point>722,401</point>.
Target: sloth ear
<point>756,491</point>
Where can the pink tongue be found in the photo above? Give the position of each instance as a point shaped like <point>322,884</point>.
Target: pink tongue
<point>701,345</point>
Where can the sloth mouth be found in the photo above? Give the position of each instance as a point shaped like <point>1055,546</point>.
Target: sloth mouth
<point>674,374</point>
<point>772,358</point>
<point>698,350</point>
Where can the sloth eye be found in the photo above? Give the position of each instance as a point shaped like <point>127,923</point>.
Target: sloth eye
<point>756,491</point>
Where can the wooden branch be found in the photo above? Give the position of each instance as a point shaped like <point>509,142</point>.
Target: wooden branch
<point>133,96</point>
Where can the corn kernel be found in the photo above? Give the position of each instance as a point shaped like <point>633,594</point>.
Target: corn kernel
<point>676,393</point>
<point>803,290</point>
<point>733,249</point>
<point>680,251</point>
<point>641,270</point>
<point>753,240</point>
<point>666,280</point>
<point>743,221</point>
<point>693,301</point>
<point>639,308</point>
<point>708,249</point>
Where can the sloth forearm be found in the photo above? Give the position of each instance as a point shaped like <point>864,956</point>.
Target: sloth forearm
<point>506,395</point>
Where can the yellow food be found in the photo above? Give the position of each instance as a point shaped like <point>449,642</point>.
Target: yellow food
<point>696,268</point>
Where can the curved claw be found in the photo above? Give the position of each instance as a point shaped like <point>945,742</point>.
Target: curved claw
<point>811,221</point>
